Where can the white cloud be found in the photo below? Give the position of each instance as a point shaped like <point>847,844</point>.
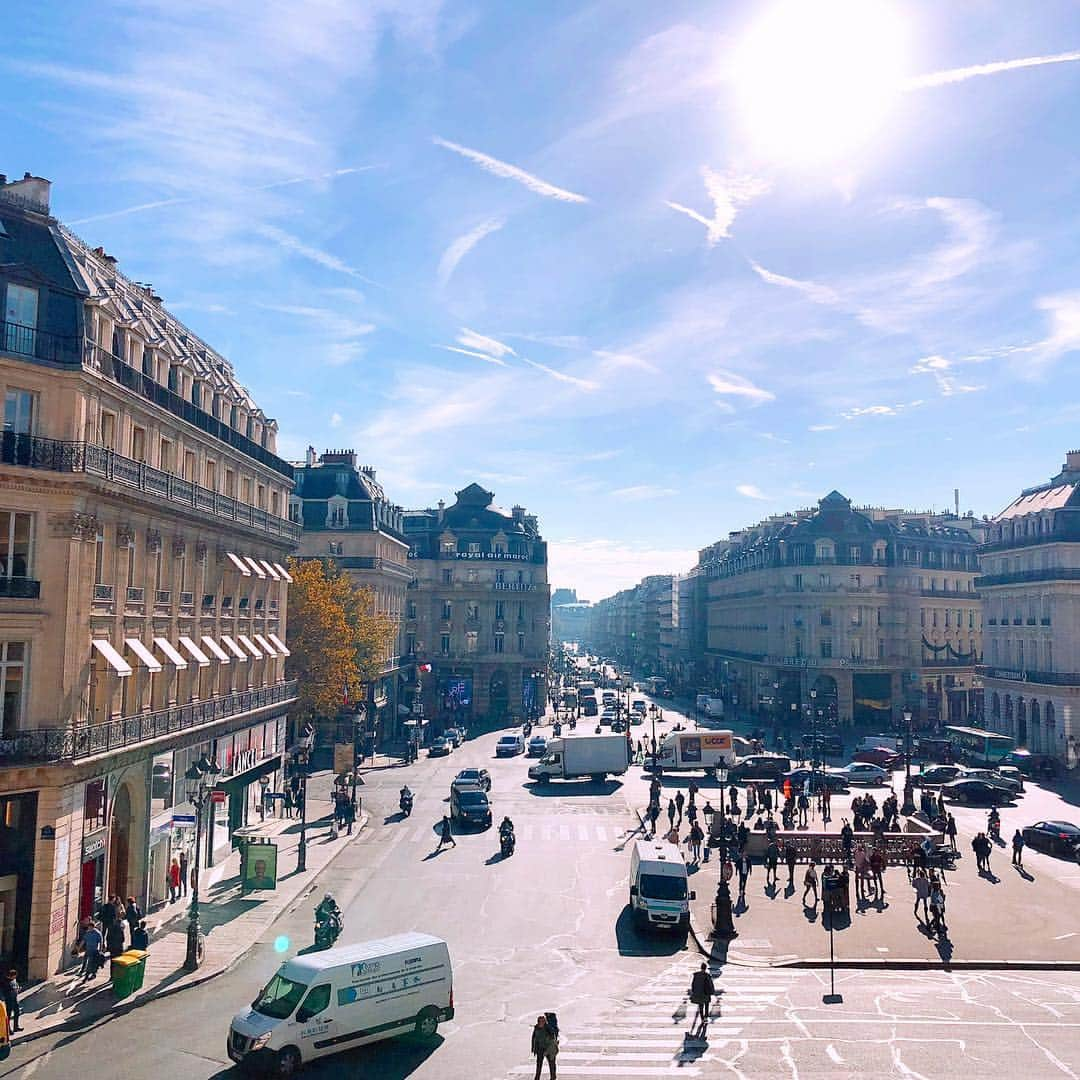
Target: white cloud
<point>463,245</point>
<point>306,251</point>
<point>819,294</point>
<point>335,420</point>
<point>957,75</point>
<point>327,319</point>
<point>472,352</point>
<point>822,427</point>
<point>728,384</point>
<point>640,492</point>
<point>880,410</point>
<point>751,491</point>
<point>728,192</point>
<point>561,376</point>
<point>949,385</point>
<point>470,339</point>
<point>1063,312</point>
<point>615,361</point>
<point>511,172</point>
<point>599,567</point>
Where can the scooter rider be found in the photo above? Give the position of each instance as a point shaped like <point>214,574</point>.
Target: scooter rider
<point>328,915</point>
<point>993,822</point>
<point>506,828</point>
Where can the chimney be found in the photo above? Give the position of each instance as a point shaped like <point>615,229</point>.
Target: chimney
<point>956,500</point>
<point>1072,461</point>
<point>339,457</point>
<point>312,458</point>
<point>31,191</point>
<point>518,513</point>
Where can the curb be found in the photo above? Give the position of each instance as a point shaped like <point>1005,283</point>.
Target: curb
<point>122,1008</point>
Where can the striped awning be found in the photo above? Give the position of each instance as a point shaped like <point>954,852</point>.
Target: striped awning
<point>234,648</point>
<point>254,564</point>
<point>265,645</point>
<point>283,572</point>
<point>269,568</point>
<point>247,643</point>
<point>238,563</point>
<point>221,655</point>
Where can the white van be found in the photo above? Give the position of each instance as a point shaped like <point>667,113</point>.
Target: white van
<point>333,1000</point>
<point>659,890</point>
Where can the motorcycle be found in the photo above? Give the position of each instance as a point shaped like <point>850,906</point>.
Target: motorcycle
<point>994,828</point>
<point>526,729</point>
<point>556,729</point>
<point>507,843</point>
<point>405,802</point>
<point>328,924</point>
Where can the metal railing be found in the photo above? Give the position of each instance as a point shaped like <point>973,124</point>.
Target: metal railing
<point>20,340</point>
<point>104,594</point>
<point>35,452</point>
<point>1049,573</point>
<point>1046,678</point>
<point>20,588</point>
<point>88,740</point>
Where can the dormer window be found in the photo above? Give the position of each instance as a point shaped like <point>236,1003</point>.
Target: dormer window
<point>196,394</point>
<point>337,513</point>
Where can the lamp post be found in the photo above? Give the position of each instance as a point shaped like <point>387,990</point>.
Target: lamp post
<point>813,737</point>
<point>358,721</point>
<point>200,779</point>
<point>721,776</point>
<point>653,710</point>
<point>909,792</point>
<point>303,757</point>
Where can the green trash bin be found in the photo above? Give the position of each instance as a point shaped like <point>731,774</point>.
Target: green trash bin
<point>128,971</point>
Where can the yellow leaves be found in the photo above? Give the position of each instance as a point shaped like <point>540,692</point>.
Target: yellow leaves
<point>338,640</point>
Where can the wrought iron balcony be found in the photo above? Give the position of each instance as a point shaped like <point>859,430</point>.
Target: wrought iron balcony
<point>19,588</point>
<point>104,594</point>
<point>89,740</point>
<point>28,341</point>
<point>34,452</point>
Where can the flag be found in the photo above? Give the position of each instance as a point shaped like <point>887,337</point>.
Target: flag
<point>425,668</point>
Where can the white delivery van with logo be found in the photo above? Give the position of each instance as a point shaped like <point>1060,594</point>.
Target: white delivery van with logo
<point>329,1001</point>
<point>659,890</point>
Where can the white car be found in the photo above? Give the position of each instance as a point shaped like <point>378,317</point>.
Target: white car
<point>537,746</point>
<point>863,772</point>
<point>608,716</point>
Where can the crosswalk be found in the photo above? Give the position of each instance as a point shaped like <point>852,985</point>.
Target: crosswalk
<point>582,829</point>
<point>648,1035</point>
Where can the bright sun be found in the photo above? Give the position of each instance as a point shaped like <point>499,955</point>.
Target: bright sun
<point>815,78</point>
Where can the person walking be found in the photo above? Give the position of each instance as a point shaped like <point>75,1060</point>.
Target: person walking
<point>696,838</point>
<point>1018,849</point>
<point>545,1047</point>
<point>751,799</point>
<point>847,838</point>
<point>92,942</point>
<point>921,884</point>
<point>790,857</point>
<point>446,835</point>
<point>862,872</point>
<point>114,940</point>
<point>9,994</point>
<point>654,813</point>
<point>288,802</point>
<point>671,813</point>
<point>810,881</point>
<point>745,868</point>
<point>950,830</point>
<point>140,936</point>
<point>877,869</point>
<point>133,913</point>
<point>174,881</point>
<point>826,804</point>
<point>772,858</point>
<point>702,991</point>
<point>680,802</point>
<point>937,907</point>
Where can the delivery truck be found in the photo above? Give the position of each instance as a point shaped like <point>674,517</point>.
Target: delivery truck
<point>709,705</point>
<point>700,751</point>
<point>593,756</point>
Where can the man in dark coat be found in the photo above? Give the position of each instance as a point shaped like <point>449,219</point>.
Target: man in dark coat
<point>702,991</point>
<point>545,1047</point>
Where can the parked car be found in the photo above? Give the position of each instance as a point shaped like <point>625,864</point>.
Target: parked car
<point>608,697</point>
<point>835,782</point>
<point>440,747</point>
<point>760,767</point>
<point>472,778</point>
<point>936,775</point>
<point>1011,772</point>
<point>537,746</point>
<point>976,791</point>
<point>1054,837</point>
<point>863,772</point>
<point>992,776</point>
<point>885,757</point>
<point>509,745</point>
<point>470,806</point>
<point>1041,765</point>
<point>608,716</point>
<point>455,736</point>
<point>667,693</point>
<point>637,718</point>
<point>618,727</point>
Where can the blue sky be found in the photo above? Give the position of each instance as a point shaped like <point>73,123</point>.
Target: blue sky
<point>653,270</point>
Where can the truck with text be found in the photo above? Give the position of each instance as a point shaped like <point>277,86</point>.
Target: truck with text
<point>695,751</point>
<point>710,705</point>
<point>593,756</point>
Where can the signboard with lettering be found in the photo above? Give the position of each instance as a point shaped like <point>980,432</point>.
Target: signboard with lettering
<point>513,586</point>
<point>94,845</point>
<point>501,555</point>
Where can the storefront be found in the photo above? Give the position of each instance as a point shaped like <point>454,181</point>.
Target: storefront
<point>18,825</point>
<point>94,845</point>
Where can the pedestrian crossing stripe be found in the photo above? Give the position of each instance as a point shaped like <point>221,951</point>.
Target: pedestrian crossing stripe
<point>530,832</point>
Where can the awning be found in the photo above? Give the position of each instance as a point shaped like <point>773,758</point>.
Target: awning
<point>112,657</point>
<point>279,644</point>
<point>259,571</point>
<point>269,568</point>
<point>238,563</point>
<point>265,645</point>
<point>195,652</point>
<point>215,648</point>
<point>169,650</point>
<point>234,648</point>
<point>283,572</point>
<point>246,642</point>
<point>249,776</point>
<point>149,660</point>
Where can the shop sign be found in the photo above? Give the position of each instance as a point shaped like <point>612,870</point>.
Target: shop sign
<point>217,796</point>
<point>501,555</point>
<point>513,586</point>
<point>93,846</point>
<point>56,922</point>
<point>181,821</point>
<point>48,832</point>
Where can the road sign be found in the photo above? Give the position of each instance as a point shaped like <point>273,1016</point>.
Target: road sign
<point>217,796</point>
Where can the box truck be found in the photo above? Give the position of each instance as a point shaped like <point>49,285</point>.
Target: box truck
<point>594,756</point>
<point>660,892</point>
<point>709,705</point>
<point>684,751</point>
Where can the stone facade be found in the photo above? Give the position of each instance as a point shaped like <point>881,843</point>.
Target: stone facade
<point>347,518</point>
<point>477,611</point>
<point>1030,586</point>
<point>141,532</point>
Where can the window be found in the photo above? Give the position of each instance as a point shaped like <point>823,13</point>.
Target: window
<point>796,582</point>
<point>500,549</point>
<point>922,616</point>
<point>108,430</point>
<point>471,640</point>
<point>189,466</point>
<point>521,642</point>
<point>1020,653</point>
<point>971,618</point>
<point>148,362</point>
<point>521,612</point>
<point>855,581</point>
<point>472,610</point>
<point>500,577</point>
<point>317,1000</point>
<point>447,547</point>
<point>210,475</point>
<point>474,549</point>
<point>337,513</point>
<point>826,648</point>
<point>856,648</point>
<point>234,417</point>
<point>447,611</point>
<point>167,459</point>
<point>19,411</point>
<point>174,378</point>
<point>260,499</point>
<point>448,577</point>
<point>15,536</point>
<point>521,577</point>
<point>12,681</point>
<point>196,394</point>
<point>473,575</point>
<point>230,490</point>
<point>1049,651</point>
<point>855,553</point>
<point>498,643</point>
<point>20,317</point>
<point>498,609</point>
<point>410,610</point>
<point>826,617</point>
<point>444,644</point>
<point>410,644</point>
<point>881,648</point>
<point>99,558</point>
<point>824,580</point>
<point>245,490</point>
<point>138,444</point>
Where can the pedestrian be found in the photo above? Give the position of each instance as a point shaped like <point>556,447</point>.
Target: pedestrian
<point>862,871</point>
<point>545,1047</point>
<point>921,884</point>
<point>446,836</point>
<point>742,835</point>
<point>877,868</point>
<point>767,800</point>
<point>702,991</point>
<point>772,858</point>
<point>696,838</point>
<point>810,881</point>
<point>671,813</point>
<point>937,907</point>
<point>133,913</point>
<point>847,838</point>
<point>680,802</point>
<point>790,857</point>
<point>9,993</point>
<point>92,942</point>
<point>289,802</point>
<point>950,830</point>
<point>114,940</point>
<point>1018,849</point>
<point>751,799</point>
<point>692,791</point>
<point>140,936</point>
<point>733,796</point>
<point>826,804</point>
<point>691,813</point>
<point>804,809</point>
<point>174,881</point>
<point>745,868</point>
<point>108,913</point>
<point>654,813</point>
<point>941,803</point>
<point>857,811</point>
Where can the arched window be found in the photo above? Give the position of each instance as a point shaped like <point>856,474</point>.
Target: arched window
<point>1008,709</point>
<point>995,706</point>
<point>1051,715</point>
<point>1034,711</point>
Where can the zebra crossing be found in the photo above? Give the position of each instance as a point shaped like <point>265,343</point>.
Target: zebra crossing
<point>648,1035</point>
<point>582,828</point>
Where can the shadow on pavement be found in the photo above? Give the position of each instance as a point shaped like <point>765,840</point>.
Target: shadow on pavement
<point>572,787</point>
<point>634,942</point>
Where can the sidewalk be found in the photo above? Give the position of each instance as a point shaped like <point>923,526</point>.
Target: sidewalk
<point>231,923</point>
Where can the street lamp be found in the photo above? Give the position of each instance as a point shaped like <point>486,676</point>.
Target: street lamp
<point>909,792</point>
<point>721,776</point>
<point>302,758</point>
<point>200,779</point>
<point>653,710</point>
<point>358,721</point>
<point>813,737</point>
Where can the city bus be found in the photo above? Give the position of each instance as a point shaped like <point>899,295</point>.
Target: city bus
<point>976,745</point>
<point>655,685</point>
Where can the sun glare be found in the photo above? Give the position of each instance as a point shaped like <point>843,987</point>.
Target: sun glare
<point>815,79</point>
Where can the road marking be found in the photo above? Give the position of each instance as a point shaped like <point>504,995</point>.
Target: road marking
<point>1062,937</point>
<point>617,1070</point>
<point>834,1054</point>
<point>583,832</point>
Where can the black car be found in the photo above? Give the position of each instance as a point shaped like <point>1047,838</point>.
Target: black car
<point>836,783</point>
<point>937,775</point>
<point>976,791</point>
<point>760,767</point>
<point>470,806</point>
<point>1054,837</point>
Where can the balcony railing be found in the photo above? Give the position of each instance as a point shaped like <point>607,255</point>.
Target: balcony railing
<point>135,595</point>
<point>20,340</point>
<point>162,598</point>
<point>104,594</point>
<point>1046,678</point>
<point>73,744</point>
<point>1020,577</point>
<point>34,452</point>
<point>19,588</point>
